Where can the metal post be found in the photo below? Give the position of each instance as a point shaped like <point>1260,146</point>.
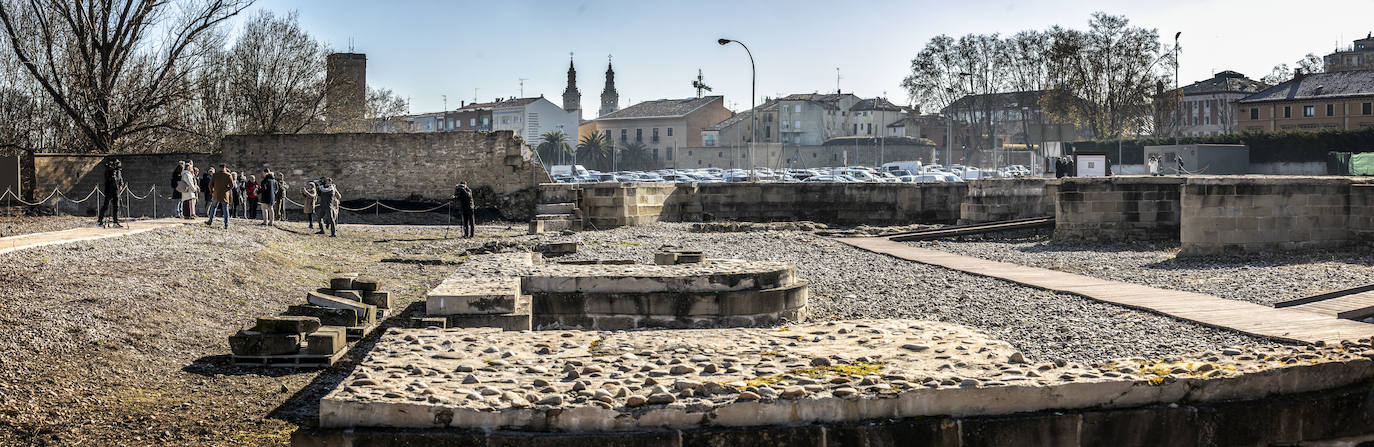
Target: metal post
<point>753,96</point>
<point>1178,94</point>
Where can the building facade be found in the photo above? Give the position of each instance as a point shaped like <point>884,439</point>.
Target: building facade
<point>1341,100</point>
<point>663,126</point>
<point>1359,56</point>
<point>1209,106</point>
<point>346,101</point>
<point>531,118</point>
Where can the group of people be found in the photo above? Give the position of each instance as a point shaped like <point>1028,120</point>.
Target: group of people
<point>230,193</point>
<point>1153,164</point>
<point>239,194</point>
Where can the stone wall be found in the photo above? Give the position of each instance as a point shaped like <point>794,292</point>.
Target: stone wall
<point>1005,199</point>
<point>401,166</point>
<point>1362,212</point>
<point>76,175</point>
<point>1253,213</point>
<point>1117,208</point>
<point>829,203</point>
<point>610,205</point>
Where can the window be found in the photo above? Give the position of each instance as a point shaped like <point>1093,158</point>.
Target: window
<point>670,153</point>
<point>1366,109</point>
<point>796,108</point>
<point>622,135</point>
<point>670,131</point>
<point>1309,111</point>
<point>720,154</point>
<point>1254,113</point>
<point>505,120</point>
<point>1287,112</point>
<point>856,129</point>
<point>796,124</point>
<point>767,132</point>
<point>472,122</point>
<point>869,126</point>
<point>655,153</point>
<point>710,140</point>
<point>654,138</point>
<point>639,136</point>
<point>1330,110</point>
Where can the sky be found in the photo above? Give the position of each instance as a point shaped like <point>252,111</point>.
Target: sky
<point>426,50</point>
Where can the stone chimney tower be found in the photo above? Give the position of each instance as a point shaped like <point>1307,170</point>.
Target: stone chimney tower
<point>572,98</point>
<point>346,73</point>
<point>610,100</point>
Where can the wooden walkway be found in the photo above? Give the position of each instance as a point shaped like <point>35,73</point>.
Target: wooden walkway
<point>1287,324</point>
<point>26,241</point>
<point>1355,306</point>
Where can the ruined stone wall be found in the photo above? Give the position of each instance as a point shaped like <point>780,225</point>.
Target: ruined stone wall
<point>75,175</point>
<point>610,205</point>
<point>829,203</point>
<point>401,166</point>
<point>1005,199</point>
<point>1222,214</point>
<point>1117,208</point>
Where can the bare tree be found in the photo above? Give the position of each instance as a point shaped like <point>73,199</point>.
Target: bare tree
<point>1104,77</point>
<point>101,65</point>
<point>1025,55</point>
<point>383,108</point>
<point>277,76</point>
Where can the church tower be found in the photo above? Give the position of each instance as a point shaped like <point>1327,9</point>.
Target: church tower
<point>610,100</point>
<point>572,98</point>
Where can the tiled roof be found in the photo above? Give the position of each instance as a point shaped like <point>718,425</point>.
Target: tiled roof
<point>517,102</point>
<point>731,121</point>
<point>1319,85</point>
<point>662,108</point>
<point>1005,100</point>
<point>874,104</point>
<point>1224,82</point>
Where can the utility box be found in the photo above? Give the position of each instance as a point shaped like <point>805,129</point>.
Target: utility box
<point>1211,159</point>
<point>1090,164</point>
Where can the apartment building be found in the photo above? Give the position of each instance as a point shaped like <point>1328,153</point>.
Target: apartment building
<point>663,125</point>
<point>1341,100</point>
<point>1209,106</point>
<point>1359,56</point>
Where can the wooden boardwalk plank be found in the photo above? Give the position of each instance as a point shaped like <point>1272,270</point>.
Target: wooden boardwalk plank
<point>33,240</point>
<point>1292,324</point>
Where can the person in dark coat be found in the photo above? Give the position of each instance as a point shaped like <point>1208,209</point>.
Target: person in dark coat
<point>204,184</point>
<point>329,198</point>
<point>267,197</point>
<point>462,205</point>
<point>112,187</point>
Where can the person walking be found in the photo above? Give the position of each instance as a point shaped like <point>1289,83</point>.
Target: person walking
<point>329,199</point>
<point>220,188</point>
<point>1180,166</point>
<point>267,191</point>
<point>250,190</point>
<point>308,195</point>
<point>188,189</point>
<point>176,188</point>
<point>235,194</point>
<point>462,203</point>
<point>282,190</point>
<point>112,187</point>
<point>1154,165</point>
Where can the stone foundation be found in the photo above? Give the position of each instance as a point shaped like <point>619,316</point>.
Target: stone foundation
<point>1005,199</point>
<point>1117,208</point>
<point>1252,213</point>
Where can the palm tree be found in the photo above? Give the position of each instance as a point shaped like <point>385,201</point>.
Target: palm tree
<point>595,150</point>
<point>634,156</point>
<point>554,147</point>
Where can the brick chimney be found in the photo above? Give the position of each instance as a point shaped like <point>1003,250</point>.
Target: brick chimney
<point>1297,74</point>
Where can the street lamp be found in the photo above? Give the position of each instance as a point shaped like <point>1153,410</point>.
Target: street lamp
<point>753,114</point>
<point>1178,94</point>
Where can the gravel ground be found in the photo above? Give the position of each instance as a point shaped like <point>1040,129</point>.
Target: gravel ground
<point>1263,278</point>
<point>850,283</point>
<point>121,341</point>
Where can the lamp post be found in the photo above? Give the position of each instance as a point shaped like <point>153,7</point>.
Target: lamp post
<point>753,114</point>
<point>1178,94</point>
<point>970,126</point>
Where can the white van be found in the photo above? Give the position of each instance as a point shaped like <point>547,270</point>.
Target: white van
<point>574,171</point>
<point>909,166</point>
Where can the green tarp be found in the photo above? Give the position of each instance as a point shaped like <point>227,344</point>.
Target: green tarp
<point>1362,164</point>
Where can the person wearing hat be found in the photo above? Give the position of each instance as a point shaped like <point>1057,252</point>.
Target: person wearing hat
<point>308,196</point>
<point>111,187</point>
<point>462,205</point>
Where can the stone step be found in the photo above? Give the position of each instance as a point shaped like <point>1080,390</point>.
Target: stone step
<point>466,295</point>
<point>555,208</point>
<point>367,314</point>
<point>554,217</point>
<point>519,320</point>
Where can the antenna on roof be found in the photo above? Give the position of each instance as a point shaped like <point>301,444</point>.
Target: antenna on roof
<point>700,83</point>
<point>522,86</point>
<point>837,80</point>
<point>350,44</point>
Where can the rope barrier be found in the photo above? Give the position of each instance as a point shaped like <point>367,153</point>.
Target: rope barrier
<point>9,194</point>
<point>383,205</point>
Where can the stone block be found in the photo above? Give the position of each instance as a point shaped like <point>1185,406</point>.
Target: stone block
<point>424,322</point>
<point>460,296</point>
<point>341,282</point>
<point>380,299</point>
<point>327,316</point>
<point>328,340</point>
<point>287,324</point>
<point>536,226</point>
<point>690,258</point>
<point>253,343</point>
<point>355,295</point>
<point>365,284</point>
<point>665,258</point>
<point>563,248</point>
<point>367,314</point>
<point>554,208</point>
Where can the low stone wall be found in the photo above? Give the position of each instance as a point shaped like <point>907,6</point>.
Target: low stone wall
<point>1117,208</point>
<point>1005,199</point>
<point>1362,212</point>
<point>1252,213</point>
<point>610,205</point>
<point>76,175</point>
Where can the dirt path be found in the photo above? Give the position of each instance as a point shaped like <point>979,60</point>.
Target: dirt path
<point>21,242</point>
